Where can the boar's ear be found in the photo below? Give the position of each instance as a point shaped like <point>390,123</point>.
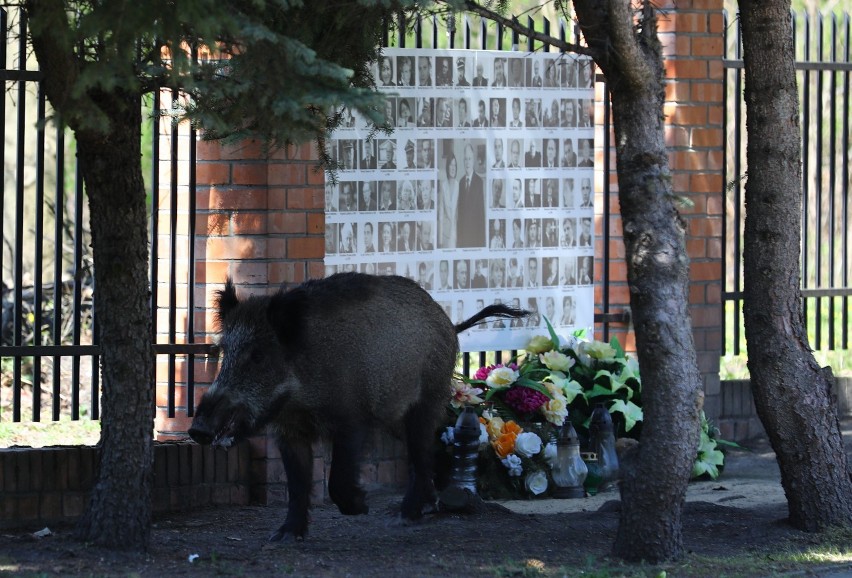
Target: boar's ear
<point>226,301</point>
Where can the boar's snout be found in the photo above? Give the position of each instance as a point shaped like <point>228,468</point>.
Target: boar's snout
<point>201,432</point>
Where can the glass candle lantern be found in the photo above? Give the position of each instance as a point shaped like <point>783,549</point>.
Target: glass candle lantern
<point>461,490</point>
<point>602,441</point>
<point>569,470</point>
<point>593,478</point>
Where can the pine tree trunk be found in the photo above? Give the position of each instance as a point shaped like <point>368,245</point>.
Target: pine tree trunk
<point>107,126</point>
<point>792,393</point>
<point>119,512</point>
<point>654,481</point>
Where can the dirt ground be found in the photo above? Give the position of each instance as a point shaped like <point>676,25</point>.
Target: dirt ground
<point>743,512</point>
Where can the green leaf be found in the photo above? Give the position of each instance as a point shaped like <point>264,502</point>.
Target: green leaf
<point>699,468</point>
<point>597,391</point>
<point>729,444</point>
<point>615,382</point>
<point>571,389</point>
<point>553,337</point>
<point>631,412</point>
<point>619,351</point>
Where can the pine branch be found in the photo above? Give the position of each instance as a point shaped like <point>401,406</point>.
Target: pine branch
<point>526,31</point>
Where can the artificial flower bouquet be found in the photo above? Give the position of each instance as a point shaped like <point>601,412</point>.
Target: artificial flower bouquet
<point>522,405</point>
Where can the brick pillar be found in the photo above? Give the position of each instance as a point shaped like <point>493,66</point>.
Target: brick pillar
<point>259,219</point>
<point>691,33</point>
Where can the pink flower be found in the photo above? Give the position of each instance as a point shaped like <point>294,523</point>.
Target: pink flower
<point>483,372</point>
<point>464,394</point>
<point>524,399</point>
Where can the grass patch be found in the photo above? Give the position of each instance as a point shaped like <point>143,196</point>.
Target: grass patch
<point>66,432</point>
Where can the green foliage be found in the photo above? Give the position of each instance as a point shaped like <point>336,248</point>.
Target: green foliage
<point>710,459</point>
<point>271,69</point>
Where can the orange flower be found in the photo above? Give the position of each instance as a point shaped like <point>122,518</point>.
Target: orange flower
<point>505,444</point>
<point>512,427</point>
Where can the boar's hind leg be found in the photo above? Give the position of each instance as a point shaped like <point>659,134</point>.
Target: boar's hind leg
<point>420,423</point>
<point>297,456</point>
<point>343,480</point>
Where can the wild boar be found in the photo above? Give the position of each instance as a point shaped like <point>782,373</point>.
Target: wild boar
<point>335,357</point>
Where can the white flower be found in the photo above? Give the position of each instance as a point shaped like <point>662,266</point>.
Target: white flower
<point>598,350</point>
<point>539,344</point>
<point>528,444</point>
<point>483,435</point>
<point>556,410</point>
<point>448,437</point>
<point>501,377</point>
<point>536,482</point>
<point>556,361</point>
<point>513,464</point>
<point>550,453</point>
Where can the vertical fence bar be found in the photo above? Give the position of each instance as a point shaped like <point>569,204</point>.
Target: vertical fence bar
<point>155,210</point>
<point>818,240</point>
<point>58,255</point>
<point>3,28</point>
<point>77,295</point>
<point>173,209</point>
<point>724,191</point>
<point>805,115</point>
<point>737,189</point>
<point>530,41</point>
<point>190,289</point>
<point>19,217</point>
<point>606,210</point>
<point>832,197</point>
<point>845,184</point>
<point>38,282</point>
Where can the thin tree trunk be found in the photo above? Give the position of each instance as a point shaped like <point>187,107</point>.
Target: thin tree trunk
<point>792,393</point>
<point>109,152</point>
<point>654,481</point>
<point>119,513</point>
<point>625,46</point>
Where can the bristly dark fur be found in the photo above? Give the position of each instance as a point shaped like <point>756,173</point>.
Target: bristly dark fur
<point>225,301</point>
<point>335,357</point>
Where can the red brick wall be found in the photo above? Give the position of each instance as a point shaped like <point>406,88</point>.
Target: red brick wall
<point>691,33</point>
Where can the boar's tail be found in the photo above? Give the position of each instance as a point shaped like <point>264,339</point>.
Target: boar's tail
<point>492,311</point>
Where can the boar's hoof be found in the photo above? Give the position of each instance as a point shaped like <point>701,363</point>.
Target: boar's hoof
<point>286,535</point>
<point>354,509</point>
<point>354,504</point>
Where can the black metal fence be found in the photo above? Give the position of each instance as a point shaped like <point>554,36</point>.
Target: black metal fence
<point>823,71</point>
<point>47,316</point>
<point>48,338</point>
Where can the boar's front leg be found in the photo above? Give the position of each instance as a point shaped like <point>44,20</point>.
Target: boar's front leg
<point>298,457</point>
<point>343,482</point>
